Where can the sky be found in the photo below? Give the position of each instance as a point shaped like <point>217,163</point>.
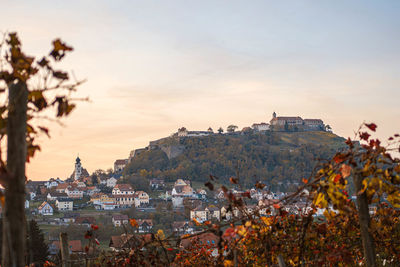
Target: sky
<point>154,66</point>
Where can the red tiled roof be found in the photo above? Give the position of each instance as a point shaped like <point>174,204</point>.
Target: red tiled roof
<point>120,161</point>
<point>124,187</point>
<point>74,245</point>
<point>207,239</point>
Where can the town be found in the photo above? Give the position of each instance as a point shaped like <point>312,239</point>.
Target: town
<point>107,199</point>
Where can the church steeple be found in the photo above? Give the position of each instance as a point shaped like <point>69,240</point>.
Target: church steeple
<point>78,168</point>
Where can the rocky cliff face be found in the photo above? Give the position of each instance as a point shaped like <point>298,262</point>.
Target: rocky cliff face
<point>173,151</point>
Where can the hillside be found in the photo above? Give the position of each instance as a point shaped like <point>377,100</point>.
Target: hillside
<point>277,158</point>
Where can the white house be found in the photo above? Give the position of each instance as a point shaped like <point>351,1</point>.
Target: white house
<point>260,126</point>
<point>120,164</point>
<point>119,220</point>
<point>65,204</point>
<point>111,182</point>
<point>74,193</point>
<point>141,198</point>
<point>123,189</point>
<point>51,183</point>
<point>202,214</point>
<point>45,209</point>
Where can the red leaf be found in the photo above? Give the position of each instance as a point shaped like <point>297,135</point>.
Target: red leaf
<point>371,126</point>
<point>246,194</point>
<point>337,178</point>
<point>364,136</point>
<point>338,158</point>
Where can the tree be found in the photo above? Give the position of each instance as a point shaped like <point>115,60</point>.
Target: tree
<point>220,130</point>
<point>17,115</point>
<point>36,246</point>
<point>231,128</point>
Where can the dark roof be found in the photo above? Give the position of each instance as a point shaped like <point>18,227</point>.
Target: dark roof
<point>120,217</point>
<point>87,220</point>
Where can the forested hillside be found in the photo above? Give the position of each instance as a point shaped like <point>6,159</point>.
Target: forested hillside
<point>278,158</point>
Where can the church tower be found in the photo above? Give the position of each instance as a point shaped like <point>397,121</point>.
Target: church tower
<point>78,168</point>
<point>274,115</point>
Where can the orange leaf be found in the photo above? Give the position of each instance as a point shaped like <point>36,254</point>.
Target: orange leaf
<point>345,170</point>
<point>133,223</point>
<point>233,180</point>
<point>305,180</point>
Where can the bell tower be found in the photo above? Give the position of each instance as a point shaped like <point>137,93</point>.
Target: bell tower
<point>78,168</point>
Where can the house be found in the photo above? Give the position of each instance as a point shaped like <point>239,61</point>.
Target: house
<point>126,241</point>
<point>183,132</point>
<point>85,220</point>
<point>45,209</point>
<point>65,204</point>
<point>290,121</point>
<point>69,217</point>
<point>90,190</point>
<point>123,189</point>
<point>202,193</point>
<point>119,242</point>
<point>141,198</point>
<point>215,212</point>
<point>33,186</point>
<point>51,183</point>
<point>182,190</point>
<point>62,187</point>
<point>124,201</point>
<point>109,206</point>
<point>202,213</point>
<point>260,127</point>
<point>26,204</point>
<point>119,220</point>
<point>75,246</point>
<point>208,240</point>
<point>74,192</point>
<point>314,124</point>
<point>111,182</point>
<point>52,196</point>
<point>80,184</point>
<point>157,184</point>
<point>120,164</point>
<point>183,227</point>
<point>145,225</point>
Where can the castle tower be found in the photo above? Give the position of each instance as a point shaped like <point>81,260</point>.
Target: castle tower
<point>78,168</point>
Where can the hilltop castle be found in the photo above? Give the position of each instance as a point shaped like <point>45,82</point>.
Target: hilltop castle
<point>281,124</point>
<point>301,124</point>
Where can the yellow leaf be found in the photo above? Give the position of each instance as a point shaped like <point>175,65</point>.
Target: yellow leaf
<point>228,263</point>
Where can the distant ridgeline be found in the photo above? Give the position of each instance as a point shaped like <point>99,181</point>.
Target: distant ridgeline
<point>278,154</point>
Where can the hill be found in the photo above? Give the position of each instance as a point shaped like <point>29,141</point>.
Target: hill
<point>279,159</point>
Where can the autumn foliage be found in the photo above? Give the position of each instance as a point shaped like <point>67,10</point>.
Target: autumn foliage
<point>326,233</point>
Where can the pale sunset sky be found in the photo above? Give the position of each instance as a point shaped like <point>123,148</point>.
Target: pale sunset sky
<point>154,66</point>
